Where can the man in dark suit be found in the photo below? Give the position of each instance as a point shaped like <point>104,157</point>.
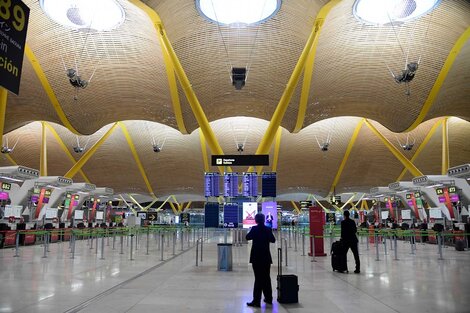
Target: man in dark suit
<point>260,259</point>
<point>349,239</point>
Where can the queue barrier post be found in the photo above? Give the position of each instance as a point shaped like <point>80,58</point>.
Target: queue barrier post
<point>439,245</point>
<point>174,242</point>
<point>376,237</point>
<point>313,248</point>
<point>162,241</point>
<point>17,244</point>
<point>148,240</point>
<point>102,248</point>
<point>385,244</point>
<point>114,239</point>
<point>45,246</point>
<point>72,242</point>
<point>197,252</point>
<point>295,240</point>
<point>182,239</point>
<point>132,246</point>
<point>303,244</point>
<point>202,246</point>
<point>122,243</point>
<point>396,247</point>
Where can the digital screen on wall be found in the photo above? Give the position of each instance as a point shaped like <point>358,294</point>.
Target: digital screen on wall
<point>231,215</point>
<point>99,215</point>
<point>211,214</point>
<point>231,184</point>
<point>435,213</point>
<point>250,185</point>
<point>249,211</point>
<point>269,210</point>
<point>3,195</point>
<point>406,214</point>
<point>211,184</point>
<point>268,183</point>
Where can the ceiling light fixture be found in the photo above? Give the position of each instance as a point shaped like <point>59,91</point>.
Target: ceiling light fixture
<point>382,12</point>
<point>238,12</point>
<point>85,15</point>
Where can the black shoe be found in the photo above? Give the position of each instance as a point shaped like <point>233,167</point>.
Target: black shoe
<point>268,301</point>
<point>253,304</point>
<point>357,271</point>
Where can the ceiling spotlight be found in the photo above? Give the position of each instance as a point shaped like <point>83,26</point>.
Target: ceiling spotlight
<point>6,150</point>
<point>157,148</point>
<point>78,149</point>
<point>408,147</point>
<point>324,146</point>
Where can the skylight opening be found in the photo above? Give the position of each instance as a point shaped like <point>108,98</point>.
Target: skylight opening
<point>238,13</point>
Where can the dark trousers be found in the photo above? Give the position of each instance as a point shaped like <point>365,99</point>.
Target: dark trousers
<point>262,282</point>
<point>353,246</point>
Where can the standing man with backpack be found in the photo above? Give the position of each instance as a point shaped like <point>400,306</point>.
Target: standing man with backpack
<point>349,239</point>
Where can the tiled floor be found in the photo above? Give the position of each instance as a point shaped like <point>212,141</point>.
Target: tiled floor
<point>414,283</point>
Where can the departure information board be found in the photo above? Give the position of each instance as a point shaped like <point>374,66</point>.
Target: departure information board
<point>211,184</point>
<point>231,215</point>
<point>211,214</point>
<point>268,183</point>
<point>231,184</point>
<point>250,185</point>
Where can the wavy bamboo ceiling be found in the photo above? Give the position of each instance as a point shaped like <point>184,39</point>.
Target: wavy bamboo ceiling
<point>350,78</point>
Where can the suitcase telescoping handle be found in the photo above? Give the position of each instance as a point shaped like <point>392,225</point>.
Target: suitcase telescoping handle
<point>279,261</point>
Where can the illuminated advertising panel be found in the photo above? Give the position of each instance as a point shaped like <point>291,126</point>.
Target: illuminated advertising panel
<point>269,210</point>
<point>249,211</point>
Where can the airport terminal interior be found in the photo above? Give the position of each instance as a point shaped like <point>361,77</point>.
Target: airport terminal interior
<point>141,137</point>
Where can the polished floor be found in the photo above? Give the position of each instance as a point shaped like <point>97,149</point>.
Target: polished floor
<point>416,282</point>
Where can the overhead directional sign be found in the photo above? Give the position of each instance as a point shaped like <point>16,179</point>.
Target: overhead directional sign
<point>152,216</point>
<point>240,160</point>
<point>14,15</point>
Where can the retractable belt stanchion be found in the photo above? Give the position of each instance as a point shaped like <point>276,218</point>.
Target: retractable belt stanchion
<point>182,239</point>
<point>162,240</point>
<point>303,243</point>
<point>45,246</point>
<point>313,248</point>
<point>132,245</point>
<point>285,245</point>
<point>197,252</point>
<point>96,243</point>
<point>148,240</point>
<point>17,244</point>
<point>367,243</point>
<point>168,241</point>
<point>290,232</point>
<point>202,246</point>
<point>385,243</point>
<point>396,246</point>
<point>439,245</point>
<point>114,238</point>
<point>295,240</point>
<point>72,241</point>
<point>91,240</point>
<point>390,237</point>
<point>107,237</point>
<point>102,248</point>
<point>376,246</point>
<point>174,242</point>
<point>412,242</point>
<point>122,242</point>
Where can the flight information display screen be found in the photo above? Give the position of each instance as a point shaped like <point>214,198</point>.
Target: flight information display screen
<point>231,215</point>
<point>211,214</point>
<point>268,183</point>
<point>250,185</point>
<point>211,184</point>
<point>231,184</point>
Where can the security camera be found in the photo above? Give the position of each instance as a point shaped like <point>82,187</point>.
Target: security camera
<point>6,150</point>
<point>240,147</point>
<point>156,148</point>
<point>78,149</point>
<point>324,147</point>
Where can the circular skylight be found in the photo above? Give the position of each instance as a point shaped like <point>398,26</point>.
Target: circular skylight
<point>380,12</point>
<point>238,12</point>
<point>85,15</point>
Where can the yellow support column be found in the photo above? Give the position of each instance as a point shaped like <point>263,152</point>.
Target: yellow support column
<point>400,157</point>
<point>445,147</point>
<point>43,155</point>
<point>88,154</point>
<point>308,71</point>
<point>136,158</point>
<point>346,155</point>
<point>184,81</point>
<point>277,147</point>
<point>3,109</point>
<point>281,108</point>
<point>421,147</point>
<point>65,149</point>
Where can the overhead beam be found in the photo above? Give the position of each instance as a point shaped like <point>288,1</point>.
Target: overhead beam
<point>136,157</point>
<point>308,71</point>
<point>88,154</point>
<point>43,154</point>
<point>205,158</point>
<point>277,147</point>
<point>3,110</point>
<point>421,147</point>
<point>296,208</point>
<point>281,108</point>
<point>183,79</point>
<point>11,159</point>
<point>48,89</point>
<point>175,211</point>
<point>400,157</point>
<point>346,155</point>
<point>445,147</point>
<point>65,149</point>
<point>454,52</point>
<point>175,99</point>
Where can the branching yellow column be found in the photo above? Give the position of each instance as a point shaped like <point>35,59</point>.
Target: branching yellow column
<point>400,157</point>
<point>88,154</point>
<point>445,146</point>
<point>43,155</point>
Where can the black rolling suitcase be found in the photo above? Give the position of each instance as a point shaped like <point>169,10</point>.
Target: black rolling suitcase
<point>338,257</point>
<point>287,285</point>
